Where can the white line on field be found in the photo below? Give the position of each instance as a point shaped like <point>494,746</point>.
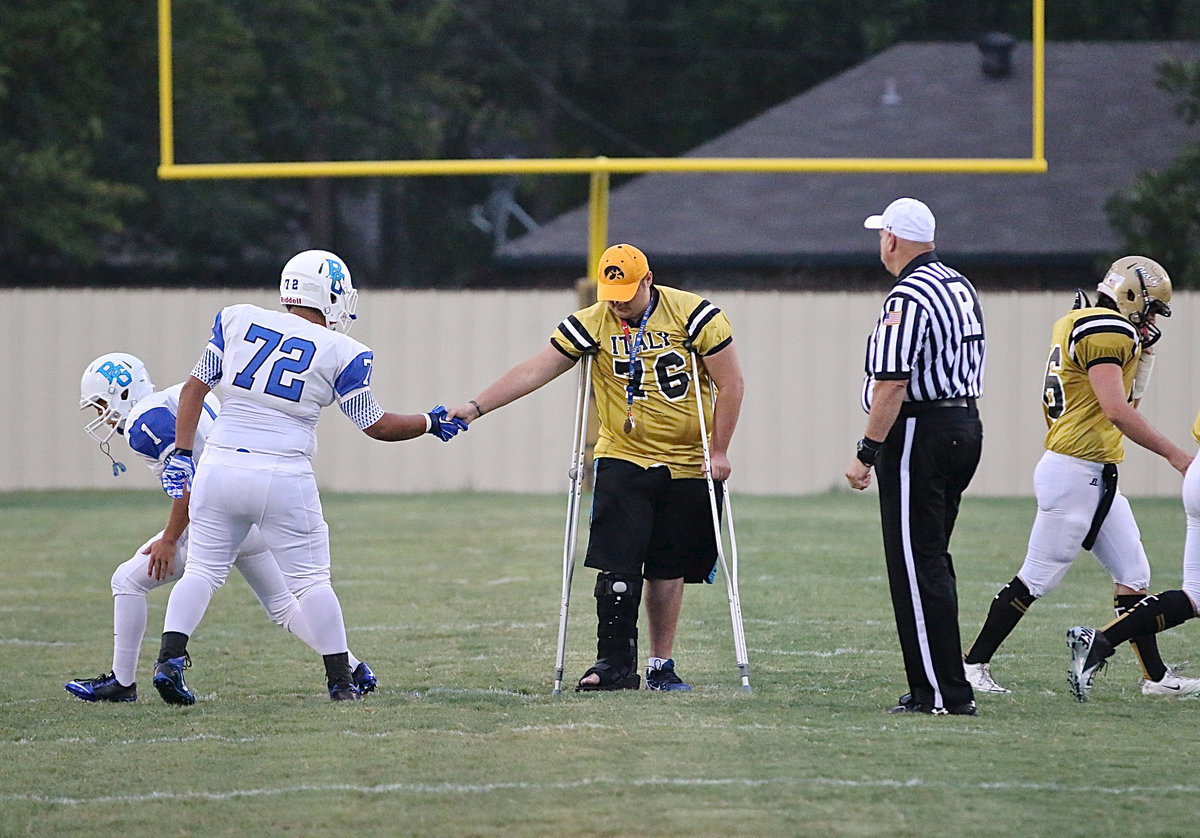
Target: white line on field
<point>458,627</point>
<point>817,653</point>
<point>673,782</point>
<point>21,641</point>
<point>199,737</point>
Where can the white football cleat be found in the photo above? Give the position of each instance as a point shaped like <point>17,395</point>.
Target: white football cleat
<point>1172,685</point>
<point>979,676</point>
<point>1084,665</point>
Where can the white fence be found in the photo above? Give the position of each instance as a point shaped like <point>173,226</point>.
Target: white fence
<point>802,354</point>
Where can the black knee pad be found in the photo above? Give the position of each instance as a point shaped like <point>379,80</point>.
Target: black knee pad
<point>617,600</point>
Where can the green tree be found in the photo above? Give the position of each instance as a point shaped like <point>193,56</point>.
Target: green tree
<point>53,206</point>
<point>277,80</point>
<point>1160,214</point>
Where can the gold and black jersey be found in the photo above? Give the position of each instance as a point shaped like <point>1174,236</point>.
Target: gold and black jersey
<point>1077,425</point>
<point>666,427</point>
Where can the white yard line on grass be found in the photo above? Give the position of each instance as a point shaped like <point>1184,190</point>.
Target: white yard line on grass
<point>673,782</point>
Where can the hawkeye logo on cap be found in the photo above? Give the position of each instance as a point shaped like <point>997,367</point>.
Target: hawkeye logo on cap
<point>613,273</point>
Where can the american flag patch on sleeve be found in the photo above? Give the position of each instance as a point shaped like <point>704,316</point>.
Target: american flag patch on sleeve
<point>892,318</point>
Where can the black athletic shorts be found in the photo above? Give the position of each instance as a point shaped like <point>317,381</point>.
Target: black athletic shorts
<point>644,522</point>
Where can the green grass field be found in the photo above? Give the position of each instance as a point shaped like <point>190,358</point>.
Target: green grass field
<point>454,601</point>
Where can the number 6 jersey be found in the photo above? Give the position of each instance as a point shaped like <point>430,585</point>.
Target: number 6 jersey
<point>1081,339</point>
<point>277,371</point>
<point>666,428</point>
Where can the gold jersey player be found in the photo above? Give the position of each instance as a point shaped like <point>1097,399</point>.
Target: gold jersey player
<point>651,524</point>
<point>1098,368</point>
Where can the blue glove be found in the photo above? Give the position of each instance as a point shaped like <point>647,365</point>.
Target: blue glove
<point>443,428</point>
<point>178,472</point>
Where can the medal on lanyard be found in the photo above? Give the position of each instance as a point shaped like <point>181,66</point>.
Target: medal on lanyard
<point>635,347</point>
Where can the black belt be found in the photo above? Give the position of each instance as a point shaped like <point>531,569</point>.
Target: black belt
<point>911,408</point>
<point>1108,483</point>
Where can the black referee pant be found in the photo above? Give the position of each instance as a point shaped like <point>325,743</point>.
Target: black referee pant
<point>922,469</point>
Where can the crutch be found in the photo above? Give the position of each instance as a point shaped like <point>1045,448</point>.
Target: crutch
<point>570,537</point>
<point>728,569</point>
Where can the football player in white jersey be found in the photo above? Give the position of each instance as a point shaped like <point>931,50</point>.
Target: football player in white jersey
<point>118,388</point>
<point>277,370</point>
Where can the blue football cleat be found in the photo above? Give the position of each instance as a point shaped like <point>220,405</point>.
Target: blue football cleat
<point>364,678</point>
<point>665,679</point>
<point>168,680</point>
<point>344,692</point>
<point>104,687</point>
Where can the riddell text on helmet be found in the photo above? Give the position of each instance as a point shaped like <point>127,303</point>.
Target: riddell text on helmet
<point>292,301</point>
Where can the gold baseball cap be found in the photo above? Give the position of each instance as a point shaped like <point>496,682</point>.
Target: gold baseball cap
<point>622,269</point>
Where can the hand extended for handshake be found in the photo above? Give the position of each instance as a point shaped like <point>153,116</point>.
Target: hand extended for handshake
<point>179,469</point>
<point>443,426</point>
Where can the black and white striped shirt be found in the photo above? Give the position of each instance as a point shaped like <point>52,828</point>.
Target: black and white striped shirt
<point>929,332</point>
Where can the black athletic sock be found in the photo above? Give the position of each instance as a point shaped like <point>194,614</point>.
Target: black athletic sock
<point>1153,614</point>
<point>1144,645</point>
<point>174,645</point>
<point>1007,609</point>
<point>337,668</point>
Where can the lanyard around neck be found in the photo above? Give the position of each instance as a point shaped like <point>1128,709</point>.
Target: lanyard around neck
<point>635,348</point>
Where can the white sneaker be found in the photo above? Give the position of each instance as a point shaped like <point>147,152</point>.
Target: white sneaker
<point>979,676</point>
<point>1173,685</point>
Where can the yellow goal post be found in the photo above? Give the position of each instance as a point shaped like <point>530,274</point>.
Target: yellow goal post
<point>599,168</point>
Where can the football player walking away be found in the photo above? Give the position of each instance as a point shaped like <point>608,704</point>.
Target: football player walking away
<point>1098,368</point>
<point>924,370</point>
<point>651,523</point>
<point>278,369</point>
<point>118,388</point>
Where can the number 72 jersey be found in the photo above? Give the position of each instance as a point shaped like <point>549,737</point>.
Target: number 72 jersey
<point>277,371</point>
<point>1077,426</point>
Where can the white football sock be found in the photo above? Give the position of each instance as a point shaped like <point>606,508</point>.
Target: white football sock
<point>129,626</point>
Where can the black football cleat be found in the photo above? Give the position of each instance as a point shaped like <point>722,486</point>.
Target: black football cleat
<point>104,687</point>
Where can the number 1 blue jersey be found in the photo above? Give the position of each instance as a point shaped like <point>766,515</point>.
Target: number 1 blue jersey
<point>150,428</point>
<point>277,371</point>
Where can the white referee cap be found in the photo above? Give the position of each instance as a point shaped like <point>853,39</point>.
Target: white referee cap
<point>905,218</point>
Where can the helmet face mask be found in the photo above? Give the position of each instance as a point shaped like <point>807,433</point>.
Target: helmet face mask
<point>320,280</point>
<point>1141,289</point>
<point>112,385</point>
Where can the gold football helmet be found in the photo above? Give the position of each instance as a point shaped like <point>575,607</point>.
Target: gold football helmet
<point>1139,286</point>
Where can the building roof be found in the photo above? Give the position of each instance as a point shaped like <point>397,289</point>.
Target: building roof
<point>1106,120</point>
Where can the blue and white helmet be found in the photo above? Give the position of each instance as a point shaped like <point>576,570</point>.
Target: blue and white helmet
<point>111,385</point>
<point>320,279</point>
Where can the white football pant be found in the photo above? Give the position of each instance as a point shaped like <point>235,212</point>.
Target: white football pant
<point>1068,490</point>
<point>1191,545</point>
<point>235,490</point>
<point>131,583</point>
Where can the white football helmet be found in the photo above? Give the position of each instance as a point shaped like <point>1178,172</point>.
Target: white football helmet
<point>1139,286</point>
<point>112,384</point>
<point>320,279</point>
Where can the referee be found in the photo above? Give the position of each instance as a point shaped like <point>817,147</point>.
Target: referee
<point>924,370</point>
